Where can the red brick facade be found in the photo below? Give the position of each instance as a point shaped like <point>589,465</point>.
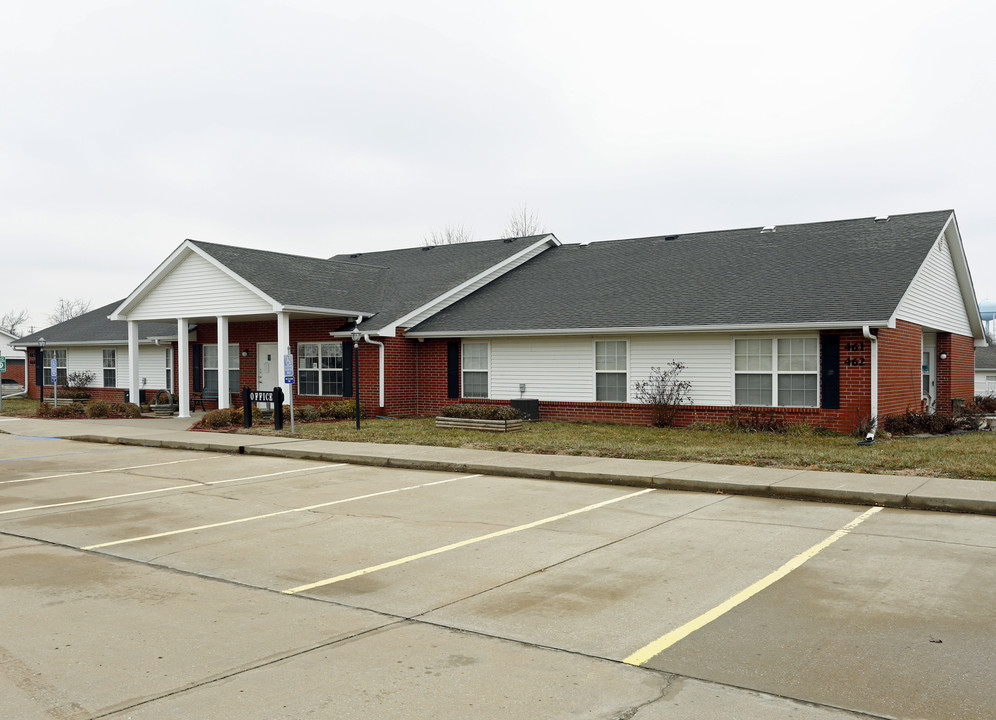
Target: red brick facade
<point>416,377</point>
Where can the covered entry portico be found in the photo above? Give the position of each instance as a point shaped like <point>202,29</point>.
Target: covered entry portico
<point>196,291</point>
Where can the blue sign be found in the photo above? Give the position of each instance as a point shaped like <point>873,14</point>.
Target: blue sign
<point>289,369</point>
<point>55,373</point>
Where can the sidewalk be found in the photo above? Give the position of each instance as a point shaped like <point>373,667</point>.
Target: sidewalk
<point>898,491</point>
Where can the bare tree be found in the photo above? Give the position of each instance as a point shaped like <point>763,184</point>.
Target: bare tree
<point>449,235</point>
<point>523,222</point>
<point>68,309</point>
<point>12,321</point>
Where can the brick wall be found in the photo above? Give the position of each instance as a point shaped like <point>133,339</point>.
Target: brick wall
<point>899,368</point>
<point>956,374</point>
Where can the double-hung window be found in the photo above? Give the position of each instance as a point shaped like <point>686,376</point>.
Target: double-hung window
<point>110,367</point>
<point>60,367</point>
<point>776,371</point>
<point>211,367</point>
<point>476,365</point>
<point>169,369</point>
<point>611,375</point>
<point>319,368</point>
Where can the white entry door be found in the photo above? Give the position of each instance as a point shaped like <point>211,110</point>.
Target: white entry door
<point>267,368</point>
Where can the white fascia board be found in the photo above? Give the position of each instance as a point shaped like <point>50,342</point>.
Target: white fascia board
<point>324,311</point>
<point>440,302</point>
<point>187,246</point>
<point>671,329</point>
<point>966,287</point>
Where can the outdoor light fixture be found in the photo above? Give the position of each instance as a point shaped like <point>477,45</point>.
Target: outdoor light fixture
<point>355,335</point>
<point>245,353</point>
<point>944,356</point>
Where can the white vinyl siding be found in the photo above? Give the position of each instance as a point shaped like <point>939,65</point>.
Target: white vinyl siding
<point>475,366</point>
<point>985,383</point>
<point>196,288</point>
<point>151,365</point>
<point>934,298</point>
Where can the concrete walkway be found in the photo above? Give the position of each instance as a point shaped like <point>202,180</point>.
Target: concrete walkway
<point>899,491</point>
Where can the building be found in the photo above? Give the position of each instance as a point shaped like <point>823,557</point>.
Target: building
<point>827,323</point>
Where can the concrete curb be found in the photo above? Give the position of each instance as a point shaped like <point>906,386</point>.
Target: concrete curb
<point>901,492</point>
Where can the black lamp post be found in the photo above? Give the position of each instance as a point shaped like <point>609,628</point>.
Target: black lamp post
<point>355,334</point>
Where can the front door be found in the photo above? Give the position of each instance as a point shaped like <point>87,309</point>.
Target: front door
<point>267,368</point>
<point>928,372</point>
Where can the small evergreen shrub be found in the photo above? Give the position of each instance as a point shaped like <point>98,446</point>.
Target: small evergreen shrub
<point>44,410</point>
<point>481,412</point>
<point>128,410</point>
<point>306,413</point>
<point>339,410</point>
<point>71,410</point>
<point>98,409</point>
<point>223,418</point>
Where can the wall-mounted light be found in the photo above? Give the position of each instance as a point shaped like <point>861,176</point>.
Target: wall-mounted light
<point>245,353</point>
<point>944,356</point>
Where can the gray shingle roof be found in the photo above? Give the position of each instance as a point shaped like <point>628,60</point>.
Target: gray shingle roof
<point>985,358</point>
<point>93,327</point>
<point>852,271</point>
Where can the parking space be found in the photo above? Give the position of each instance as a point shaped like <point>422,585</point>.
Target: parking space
<point>412,581</point>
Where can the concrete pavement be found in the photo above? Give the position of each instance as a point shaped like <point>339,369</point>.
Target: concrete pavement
<point>898,491</point>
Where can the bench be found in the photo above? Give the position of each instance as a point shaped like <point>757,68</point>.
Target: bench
<point>201,396</point>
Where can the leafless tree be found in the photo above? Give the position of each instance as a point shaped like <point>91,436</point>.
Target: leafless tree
<point>12,321</point>
<point>523,222</point>
<point>68,309</point>
<point>449,235</point>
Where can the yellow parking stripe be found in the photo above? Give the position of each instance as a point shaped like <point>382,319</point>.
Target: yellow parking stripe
<point>658,646</point>
<point>273,514</point>
<point>454,546</point>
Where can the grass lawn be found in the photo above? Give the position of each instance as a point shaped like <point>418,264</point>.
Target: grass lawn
<point>965,455</point>
<point>19,406</point>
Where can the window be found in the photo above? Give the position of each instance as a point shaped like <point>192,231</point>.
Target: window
<point>169,369</point>
<point>610,371</point>
<point>781,372</point>
<point>60,367</point>
<point>211,367</point>
<point>475,369</point>
<point>319,368</point>
<point>110,367</point>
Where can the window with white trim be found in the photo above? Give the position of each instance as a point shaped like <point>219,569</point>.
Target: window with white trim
<point>60,367</point>
<point>475,365</point>
<point>611,370</point>
<point>169,369</point>
<point>319,368</point>
<point>211,367</point>
<point>776,371</point>
<point>110,361</point>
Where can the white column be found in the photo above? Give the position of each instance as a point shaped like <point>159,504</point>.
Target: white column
<point>223,389</point>
<point>183,367</point>
<point>134,382</point>
<point>283,347</point>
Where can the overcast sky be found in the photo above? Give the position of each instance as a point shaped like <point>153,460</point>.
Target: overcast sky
<point>317,127</point>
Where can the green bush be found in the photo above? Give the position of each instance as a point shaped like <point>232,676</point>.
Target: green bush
<point>128,410</point>
<point>306,413</point>
<point>481,412</point>
<point>339,410</point>
<point>98,409</point>
<point>223,418</point>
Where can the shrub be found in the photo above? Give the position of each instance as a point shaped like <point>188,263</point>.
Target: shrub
<point>76,393</point>
<point>74,409</point>
<point>128,410</point>
<point>756,421</point>
<point>339,410</point>
<point>664,392</point>
<point>985,403</point>
<point>80,379</point>
<point>916,422</point>
<point>98,409</point>
<point>481,412</point>
<point>306,413</point>
<point>44,410</point>
<point>223,418</point>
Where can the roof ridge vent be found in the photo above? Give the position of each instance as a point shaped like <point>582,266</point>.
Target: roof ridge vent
<point>509,240</point>
<point>426,247</point>
<point>769,229</point>
<point>881,218</point>
<point>669,238</point>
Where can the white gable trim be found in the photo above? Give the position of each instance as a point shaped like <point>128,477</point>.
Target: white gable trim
<point>459,292</point>
<point>949,238</point>
<point>187,247</point>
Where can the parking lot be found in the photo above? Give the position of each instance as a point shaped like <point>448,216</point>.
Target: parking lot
<point>151,583</point>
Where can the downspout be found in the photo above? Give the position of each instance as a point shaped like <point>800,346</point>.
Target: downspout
<point>870,437</point>
<point>366,337</point>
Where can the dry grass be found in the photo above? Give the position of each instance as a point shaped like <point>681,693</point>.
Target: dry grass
<point>966,455</point>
